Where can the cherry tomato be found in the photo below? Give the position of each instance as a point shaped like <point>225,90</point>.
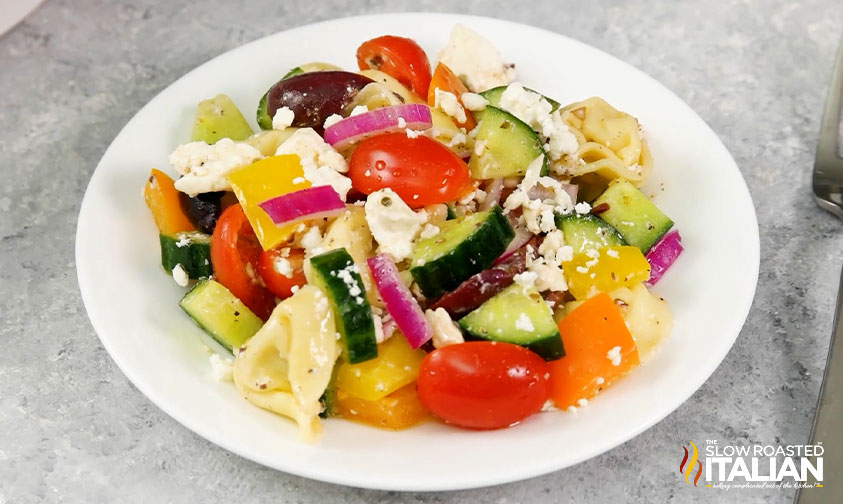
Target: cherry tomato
<point>399,57</point>
<point>281,283</point>
<point>446,80</point>
<point>483,384</point>
<point>420,170</point>
<point>235,255</point>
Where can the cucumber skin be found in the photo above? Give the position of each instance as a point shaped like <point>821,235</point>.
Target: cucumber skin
<point>354,321</point>
<point>247,322</point>
<point>586,223</point>
<point>195,257</point>
<point>471,256</point>
<point>264,121</point>
<point>494,97</point>
<point>548,346</point>
<point>628,204</point>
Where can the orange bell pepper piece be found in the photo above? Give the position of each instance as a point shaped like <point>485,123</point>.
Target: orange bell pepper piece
<point>446,80</point>
<point>598,350</point>
<point>398,410</point>
<point>162,198</point>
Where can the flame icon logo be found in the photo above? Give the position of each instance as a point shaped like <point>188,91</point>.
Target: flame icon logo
<point>687,466</point>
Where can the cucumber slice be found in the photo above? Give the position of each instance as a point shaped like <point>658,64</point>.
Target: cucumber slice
<point>219,118</point>
<point>462,247</point>
<point>336,274</point>
<point>262,116</point>
<point>587,232</point>
<point>510,146</point>
<point>494,98</point>
<point>517,315</point>
<point>293,71</point>
<point>191,249</point>
<point>220,314</point>
<point>633,215</point>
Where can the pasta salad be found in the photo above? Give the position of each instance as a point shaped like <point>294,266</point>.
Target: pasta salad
<point>397,244</point>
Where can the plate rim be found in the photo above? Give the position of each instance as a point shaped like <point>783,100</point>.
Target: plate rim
<point>514,474</point>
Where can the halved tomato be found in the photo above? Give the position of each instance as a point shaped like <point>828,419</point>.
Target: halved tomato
<point>399,57</point>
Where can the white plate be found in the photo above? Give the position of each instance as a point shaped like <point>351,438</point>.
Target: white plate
<point>133,305</point>
<point>13,12</point>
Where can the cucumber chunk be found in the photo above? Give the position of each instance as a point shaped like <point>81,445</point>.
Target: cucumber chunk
<point>462,247</point>
<point>336,274</point>
<point>219,118</point>
<point>510,146</point>
<point>517,315</point>
<point>633,215</point>
<point>494,98</point>
<point>191,249</point>
<point>587,232</point>
<point>220,314</point>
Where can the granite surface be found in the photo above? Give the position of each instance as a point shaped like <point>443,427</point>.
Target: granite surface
<point>73,429</point>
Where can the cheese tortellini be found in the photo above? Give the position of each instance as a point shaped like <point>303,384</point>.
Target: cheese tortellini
<point>647,316</point>
<point>611,144</point>
<point>286,366</point>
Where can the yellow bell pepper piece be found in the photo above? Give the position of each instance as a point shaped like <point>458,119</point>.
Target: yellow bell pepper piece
<point>260,181</point>
<point>395,366</point>
<point>399,410</point>
<point>605,269</point>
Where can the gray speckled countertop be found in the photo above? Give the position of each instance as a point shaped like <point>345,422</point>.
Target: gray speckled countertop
<point>73,429</point>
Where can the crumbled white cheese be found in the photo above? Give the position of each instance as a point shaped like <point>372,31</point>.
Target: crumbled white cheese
<point>549,405</point>
<point>473,101</point>
<point>393,224</point>
<point>184,241</point>
<point>311,241</point>
<point>282,267</point>
<point>445,331</point>
<point>582,208</point>
<point>294,289</point>
<point>380,334</point>
<point>283,118</point>
<point>180,276</point>
<point>537,213</point>
<point>475,60</point>
<point>429,231</point>
<point>525,279</point>
<point>535,110</point>
<point>582,402</point>
<point>204,167</point>
<point>614,355</point>
<point>359,109</point>
<point>322,165</point>
<point>599,380</point>
<point>413,133</point>
<point>612,253</point>
<point>402,123</point>
<point>331,120</point>
<point>222,369</point>
<point>479,147</point>
<point>346,275</point>
<point>447,102</point>
<point>458,140</point>
<point>549,276</point>
<point>524,323</point>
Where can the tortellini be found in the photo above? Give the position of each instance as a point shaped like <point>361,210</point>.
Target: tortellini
<point>647,316</point>
<point>611,143</point>
<point>286,366</point>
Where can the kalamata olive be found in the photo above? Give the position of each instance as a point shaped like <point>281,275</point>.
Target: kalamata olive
<point>481,287</point>
<point>314,96</point>
<point>202,210</point>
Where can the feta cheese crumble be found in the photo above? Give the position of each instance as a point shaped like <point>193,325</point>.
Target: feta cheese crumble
<point>614,355</point>
<point>538,210</point>
<point>283,118</point>
<point>582,208</point>
<point>445,331</point>
<point>429,231</point>
<point>393,224</point>
<point>535,110</point>
<point>475,59</point>
<point>180,276</point>
<point>359,109</point>
<point>331,120</point>
<point>524,323</point>
<point>282,267</point>
<point>204,167</point>
<point>321,164</point>
<point>447,102</point>
<point>222,369</point>
<point>473,101</point>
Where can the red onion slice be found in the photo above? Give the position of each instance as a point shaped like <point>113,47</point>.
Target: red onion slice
<point>415,116</point>
<point>399,301</point>
<point>304,204</point>
<point>663,254</point>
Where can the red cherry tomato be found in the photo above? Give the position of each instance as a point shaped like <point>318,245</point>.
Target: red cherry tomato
<point>483,384</point>
<point>399,57</point>
<point>278,282</point>
<point>235,254</point>
<point>420,170</point>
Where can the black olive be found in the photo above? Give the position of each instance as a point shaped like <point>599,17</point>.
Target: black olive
<point>203,210</point>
